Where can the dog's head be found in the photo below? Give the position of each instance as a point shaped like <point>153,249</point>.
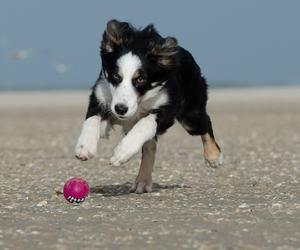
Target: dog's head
<point>137,63</point>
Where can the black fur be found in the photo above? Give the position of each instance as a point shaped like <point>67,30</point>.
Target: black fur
<point>163,60</point>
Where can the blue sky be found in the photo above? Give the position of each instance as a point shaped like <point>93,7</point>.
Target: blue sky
<point>52,44</point>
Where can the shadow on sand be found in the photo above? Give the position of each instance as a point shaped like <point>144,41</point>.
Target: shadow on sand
<point>123,189</point>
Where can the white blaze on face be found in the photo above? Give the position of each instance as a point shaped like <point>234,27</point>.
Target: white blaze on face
<point>125,93</point>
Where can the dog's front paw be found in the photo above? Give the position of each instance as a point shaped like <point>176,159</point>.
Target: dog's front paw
<point>141,186</point>
<point>122,153</point>
<point>214,162</point>
<point>85,150</point>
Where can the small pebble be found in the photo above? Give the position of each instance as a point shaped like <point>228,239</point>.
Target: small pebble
<point>42,203</point>
<point>244,205</point>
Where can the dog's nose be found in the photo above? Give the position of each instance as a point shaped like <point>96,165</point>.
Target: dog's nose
<point>121,109</point>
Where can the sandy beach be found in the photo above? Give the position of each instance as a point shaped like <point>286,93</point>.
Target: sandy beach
<point>251,202</point>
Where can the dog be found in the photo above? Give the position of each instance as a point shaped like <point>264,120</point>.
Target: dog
<point>146,83</point>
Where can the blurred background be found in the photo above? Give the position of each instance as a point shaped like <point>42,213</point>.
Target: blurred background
<point>55,44</point>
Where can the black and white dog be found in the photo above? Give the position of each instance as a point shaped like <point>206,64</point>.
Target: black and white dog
<point>146,83</point>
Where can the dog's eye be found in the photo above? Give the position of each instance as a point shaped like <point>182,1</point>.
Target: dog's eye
<point>117,77</point>
<point>140,80</point>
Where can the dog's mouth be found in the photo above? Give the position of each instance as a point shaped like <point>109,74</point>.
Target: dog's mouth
<point>121,117</point>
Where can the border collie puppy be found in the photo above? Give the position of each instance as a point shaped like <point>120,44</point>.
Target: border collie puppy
<point>146,83</point>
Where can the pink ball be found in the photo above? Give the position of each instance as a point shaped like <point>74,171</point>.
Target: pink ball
<point>76,190</point>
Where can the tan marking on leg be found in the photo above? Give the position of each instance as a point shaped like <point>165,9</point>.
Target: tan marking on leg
<point>212,154</point>
<point>143,182</point>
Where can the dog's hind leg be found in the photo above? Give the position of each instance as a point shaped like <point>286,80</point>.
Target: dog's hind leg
<point>143,182</point>
<point>199,124</point>
<point>212,152</point>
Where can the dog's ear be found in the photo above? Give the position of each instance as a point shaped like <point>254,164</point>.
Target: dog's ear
<point>164,51</point>
<point>116,34</point>
<point>149,29</point>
